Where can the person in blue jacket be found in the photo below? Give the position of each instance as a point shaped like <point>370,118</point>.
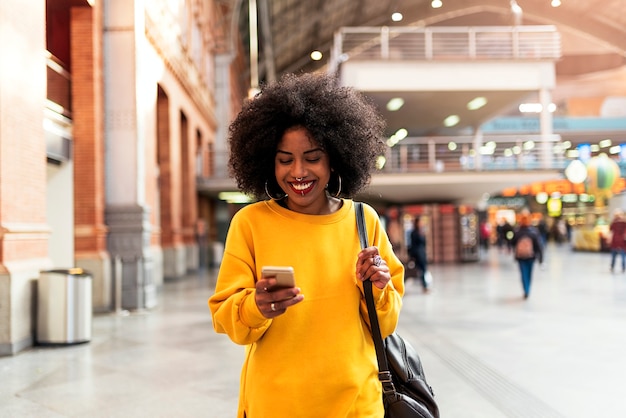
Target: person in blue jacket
<point>527,248</point>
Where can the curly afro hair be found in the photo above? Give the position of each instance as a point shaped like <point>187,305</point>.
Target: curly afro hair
<point>340,119</point>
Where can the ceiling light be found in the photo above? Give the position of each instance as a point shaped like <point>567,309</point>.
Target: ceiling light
<point>234,197</point>
<point>517,13</point>
<point>515,8</point>
<point>395,104</point>
<point>555,3</point>
<point>380,162</point>
<point>530,107</point>
<point>573,153</point>
<point>401,134</point>
<point>541,198</point>
<point>535,107</point>
<point>435,4</point>
<point>316,55</point>
<point>451,120</point>
<point>485,150</point>
<point>397,17</point>
<point>576,172</point>
<point>397,137</point>
<point>605,143</point>
<point>477,103</point>
<point>252,92</point>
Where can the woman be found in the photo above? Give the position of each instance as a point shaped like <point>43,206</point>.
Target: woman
<point>305,145</point>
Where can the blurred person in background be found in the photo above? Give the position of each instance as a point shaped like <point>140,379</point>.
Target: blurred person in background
<point>617,229</point>
<point>527,248</point>
<point>417,253</point>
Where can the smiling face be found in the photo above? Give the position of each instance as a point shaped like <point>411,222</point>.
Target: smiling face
<point>302,170</point>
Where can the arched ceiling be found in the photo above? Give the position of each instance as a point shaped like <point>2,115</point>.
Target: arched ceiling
<point>593,34</point>
<point>593,62</point>
<point>299,27</point>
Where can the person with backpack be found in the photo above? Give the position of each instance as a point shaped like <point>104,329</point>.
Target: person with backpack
<point>527,248</point>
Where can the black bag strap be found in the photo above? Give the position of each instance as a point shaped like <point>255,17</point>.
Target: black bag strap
<point>383,368</point>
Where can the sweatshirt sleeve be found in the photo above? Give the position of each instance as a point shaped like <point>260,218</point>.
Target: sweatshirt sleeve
<point>233,308</point>
<point>388,300</point>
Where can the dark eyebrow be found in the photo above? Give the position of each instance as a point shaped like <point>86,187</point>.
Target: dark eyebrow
<point>305,152</point>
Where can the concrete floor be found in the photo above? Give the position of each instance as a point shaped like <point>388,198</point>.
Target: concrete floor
<point>487,352</point>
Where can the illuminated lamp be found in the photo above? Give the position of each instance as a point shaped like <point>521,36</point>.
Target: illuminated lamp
<point>541,198</point>
<point>554,207</point>
<point>576,172</point>
<point>316,55</point>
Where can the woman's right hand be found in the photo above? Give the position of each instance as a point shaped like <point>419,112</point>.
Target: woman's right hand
<point>273,301</point>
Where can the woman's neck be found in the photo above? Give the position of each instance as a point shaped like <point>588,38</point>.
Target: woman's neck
<point>332,205</point>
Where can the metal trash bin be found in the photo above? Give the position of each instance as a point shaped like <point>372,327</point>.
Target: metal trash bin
<point>64,309</point>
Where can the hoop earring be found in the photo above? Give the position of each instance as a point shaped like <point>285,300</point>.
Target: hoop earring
<point>339,181</point>
<point>267,192</point>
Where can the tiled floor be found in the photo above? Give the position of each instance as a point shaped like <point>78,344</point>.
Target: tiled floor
<point>487,352</point>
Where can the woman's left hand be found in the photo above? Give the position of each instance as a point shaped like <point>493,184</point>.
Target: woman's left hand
<point>370,265</point>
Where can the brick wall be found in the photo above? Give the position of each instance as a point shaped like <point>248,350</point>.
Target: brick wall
<point>88,116</point>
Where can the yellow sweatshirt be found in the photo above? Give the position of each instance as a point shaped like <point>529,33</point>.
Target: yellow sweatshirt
<point>316,360</point>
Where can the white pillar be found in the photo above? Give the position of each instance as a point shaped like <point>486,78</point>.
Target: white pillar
<point>127,110</point>
<point>545,127</point>
<point>123,22</point>
<point>478,144</point>
<point>222,112</point>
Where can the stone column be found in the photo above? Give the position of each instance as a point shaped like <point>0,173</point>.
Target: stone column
<point>478,144</point>
<point>545,127</point>
<point>127,213</point>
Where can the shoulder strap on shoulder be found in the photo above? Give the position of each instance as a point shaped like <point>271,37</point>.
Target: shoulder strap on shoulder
<point>383,367</point>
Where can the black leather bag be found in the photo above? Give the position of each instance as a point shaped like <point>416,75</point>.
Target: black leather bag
<point>413,396</point>
<point>406,394</point>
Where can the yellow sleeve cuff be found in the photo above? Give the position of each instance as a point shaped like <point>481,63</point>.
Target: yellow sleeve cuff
<point>249,312</point>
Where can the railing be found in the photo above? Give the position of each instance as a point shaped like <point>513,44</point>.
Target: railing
<point>464,153</point>
<point>440,43</point>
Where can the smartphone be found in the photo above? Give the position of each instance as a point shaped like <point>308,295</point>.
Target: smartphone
<point>283,274</point>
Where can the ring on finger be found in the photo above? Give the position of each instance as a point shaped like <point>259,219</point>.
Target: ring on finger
<point>273,307</point>
<point>377,261</point>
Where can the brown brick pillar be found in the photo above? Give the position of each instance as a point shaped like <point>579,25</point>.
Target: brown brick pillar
<point>169,121</point>
<point>88,113</point>
<point>189,198</point>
